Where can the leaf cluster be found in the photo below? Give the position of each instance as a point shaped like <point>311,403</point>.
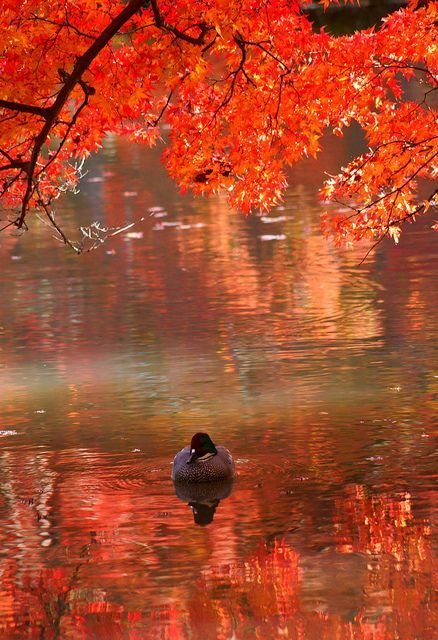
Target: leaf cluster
<point>245,87</point>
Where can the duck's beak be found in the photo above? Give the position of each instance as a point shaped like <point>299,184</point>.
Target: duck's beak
<point>192,456</point>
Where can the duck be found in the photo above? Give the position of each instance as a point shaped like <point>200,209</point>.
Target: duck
<point>203,461</point>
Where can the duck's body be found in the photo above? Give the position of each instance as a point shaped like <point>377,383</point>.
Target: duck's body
<point>202,461</point>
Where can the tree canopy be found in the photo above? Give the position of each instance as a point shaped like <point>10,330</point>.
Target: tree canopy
<point>245,87</point>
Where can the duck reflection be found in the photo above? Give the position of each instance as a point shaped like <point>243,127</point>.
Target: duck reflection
<point>204,498</point>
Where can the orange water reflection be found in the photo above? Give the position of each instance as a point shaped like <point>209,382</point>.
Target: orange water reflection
<point>320,374</point>
<point>71,539</point>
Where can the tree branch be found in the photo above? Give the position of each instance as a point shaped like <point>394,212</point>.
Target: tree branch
<point>25,108</point>
<point>162,24</point>
<point>71,80</point>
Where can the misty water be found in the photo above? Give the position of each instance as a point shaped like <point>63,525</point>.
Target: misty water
<point>317,370</point>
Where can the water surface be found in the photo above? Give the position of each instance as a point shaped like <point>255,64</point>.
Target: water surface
<point>318,372</point>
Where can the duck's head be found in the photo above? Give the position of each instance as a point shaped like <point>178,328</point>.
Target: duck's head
<point>201,448</point>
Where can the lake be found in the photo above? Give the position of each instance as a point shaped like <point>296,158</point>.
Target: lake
<point>318,370</point>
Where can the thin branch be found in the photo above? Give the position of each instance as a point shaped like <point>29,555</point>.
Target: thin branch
<point>392,223</point>
<point>234,74</point>
<point>374,245</point>
<point>70,126</point>
<point>402,186</point>
<point>10,224</point>
<point>44,112</point>
<point>403,66</point>
<point>67,24</point>
<point>182,35</point>
<point>71,80</point>
<point>56,226</point>
<point>260,45</point>
<point>155,122</point>
<point>409,144</point>
<point>414,213</point>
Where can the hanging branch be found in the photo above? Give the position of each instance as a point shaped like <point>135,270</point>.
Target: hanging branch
<point>71,80</point>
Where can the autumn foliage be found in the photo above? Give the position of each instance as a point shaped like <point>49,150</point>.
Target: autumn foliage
<point>245,88</point>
